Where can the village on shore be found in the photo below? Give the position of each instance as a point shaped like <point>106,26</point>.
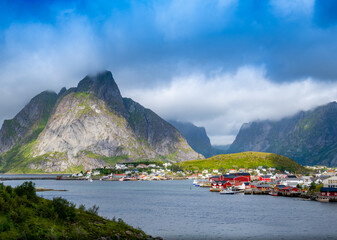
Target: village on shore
<point>319,184</point>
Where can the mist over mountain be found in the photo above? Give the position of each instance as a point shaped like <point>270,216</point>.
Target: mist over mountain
<point>309,137</point>
<point>86,127</point>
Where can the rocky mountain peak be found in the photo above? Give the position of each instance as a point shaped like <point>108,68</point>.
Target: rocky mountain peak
<point>105,88</point>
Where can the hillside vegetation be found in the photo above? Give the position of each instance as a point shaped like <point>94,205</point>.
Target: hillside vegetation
<point>244,160</point>
<point>24,215</point>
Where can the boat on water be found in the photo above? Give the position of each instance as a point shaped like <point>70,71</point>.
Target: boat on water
<point>124,179</point>
<point>323,200</point>
<point>227,191</point>
<point>272,193</point>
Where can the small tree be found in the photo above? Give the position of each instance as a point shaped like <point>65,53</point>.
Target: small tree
<point>312,186</point>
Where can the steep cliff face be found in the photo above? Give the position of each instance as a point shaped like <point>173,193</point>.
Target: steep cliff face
<point>29,122</point>
<point>93,126</point>
<point>196,137</point>
<point>307,137</point>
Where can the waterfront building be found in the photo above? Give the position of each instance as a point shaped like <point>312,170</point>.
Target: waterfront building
<point>265,178</point>
<point>221,184</point>
<point>328,192</point>
<point>330,182</point>
<point>236,178</point>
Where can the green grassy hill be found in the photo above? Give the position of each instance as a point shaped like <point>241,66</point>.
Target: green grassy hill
<point>24,215</point>
<point>244,160</point>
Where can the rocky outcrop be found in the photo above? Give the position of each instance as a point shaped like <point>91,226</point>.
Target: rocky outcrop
<point>308,137</point>
<point>92,126</point>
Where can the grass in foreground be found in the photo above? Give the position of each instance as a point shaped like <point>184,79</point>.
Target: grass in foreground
<point>24,215</point>
<point>244,160</point>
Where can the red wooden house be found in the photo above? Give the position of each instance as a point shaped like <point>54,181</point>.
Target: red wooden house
<point>236,178</point>
<point>221,184</point>
<point>265,178</point>
<point>329,192</point>
<point>214,178</point>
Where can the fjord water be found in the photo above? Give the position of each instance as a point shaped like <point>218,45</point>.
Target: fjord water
<point>178,210</point>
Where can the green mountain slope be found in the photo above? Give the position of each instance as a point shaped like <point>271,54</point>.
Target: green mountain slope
<point>244,160</point>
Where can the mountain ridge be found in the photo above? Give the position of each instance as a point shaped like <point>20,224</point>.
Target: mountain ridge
<point>308,137</point>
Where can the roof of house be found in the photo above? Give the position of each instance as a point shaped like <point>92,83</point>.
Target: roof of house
<point>266,176</point>
<point>243,174</point>
<point>234,175</point>
<point>262,186</point>
<point>325,189</point>
<point>220,182</point>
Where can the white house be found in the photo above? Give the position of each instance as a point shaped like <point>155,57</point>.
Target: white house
<point>120,166</point>
<point>330,182</point>
<point>307,180</point>
<point>167,165</point>
<point>291,181</point>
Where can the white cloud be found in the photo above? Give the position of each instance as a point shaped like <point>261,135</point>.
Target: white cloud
<point>222,102</point>
<point>37,57</point>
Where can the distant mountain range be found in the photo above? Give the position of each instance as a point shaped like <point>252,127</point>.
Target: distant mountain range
<point>87,127</point>
<point>197,138</point>
<point>309,137</point>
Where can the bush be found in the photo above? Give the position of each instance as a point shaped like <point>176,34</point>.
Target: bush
<point>64,209</point>
<point>26,189</point>
<point>93,209</point>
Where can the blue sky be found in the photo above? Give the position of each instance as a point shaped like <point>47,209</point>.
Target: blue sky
<point>215,63</point>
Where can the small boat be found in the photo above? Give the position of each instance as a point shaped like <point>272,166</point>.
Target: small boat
<point>227,191</point>
<point>124,179</point>
<point>323,199</point>
<point>90,180</point>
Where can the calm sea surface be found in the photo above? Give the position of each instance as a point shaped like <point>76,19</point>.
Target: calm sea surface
<point>178,210</point>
